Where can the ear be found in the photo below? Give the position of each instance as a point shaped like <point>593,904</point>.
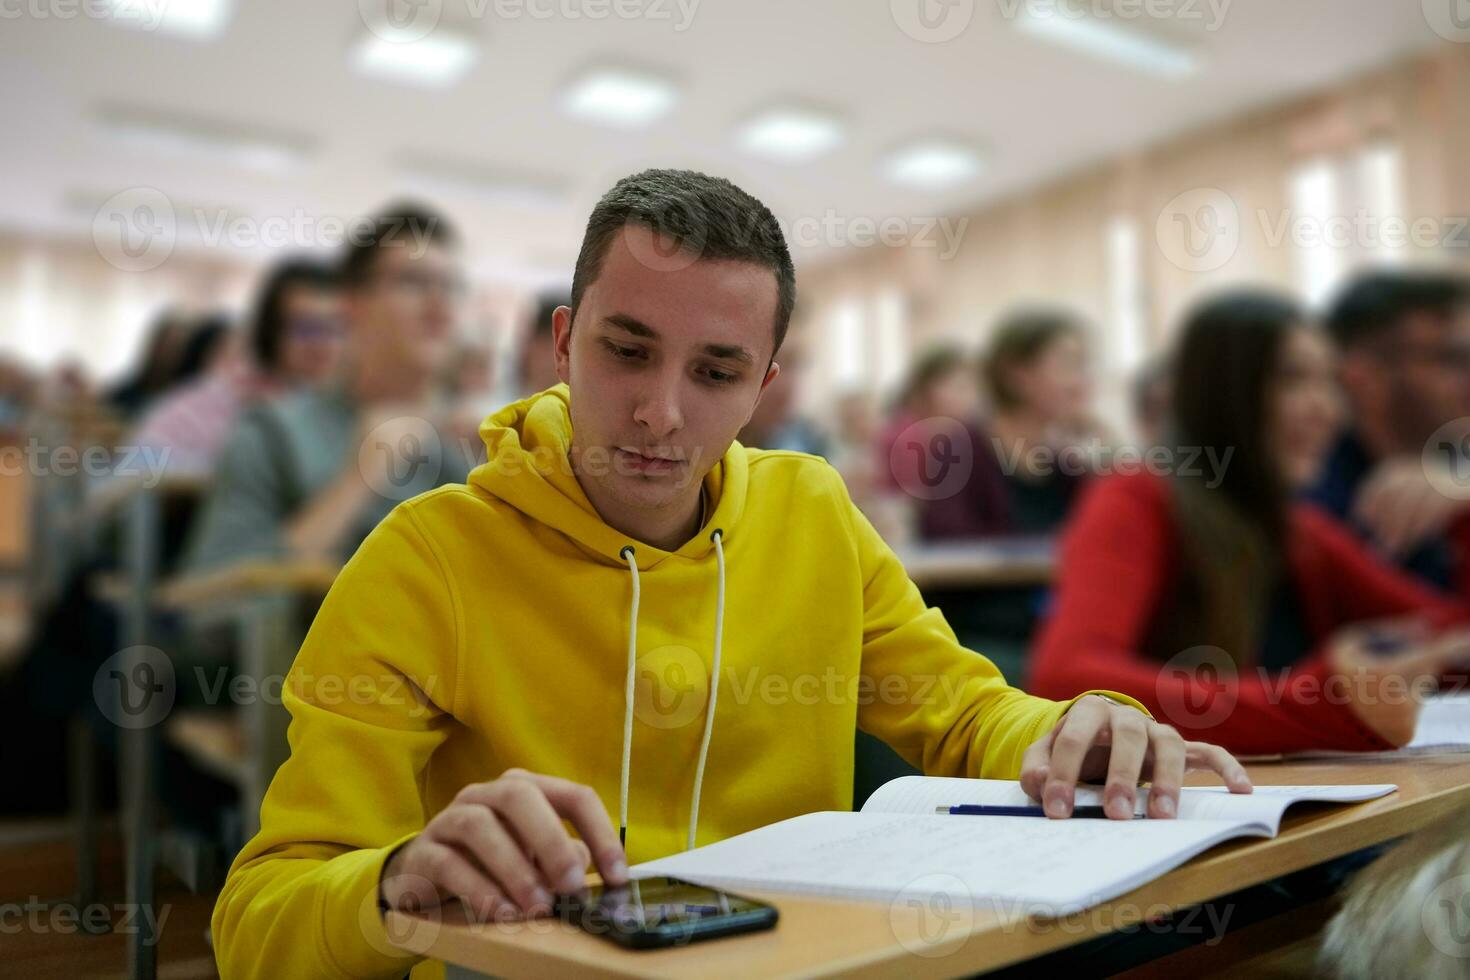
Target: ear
<point>771,373</point>
<point>561,332</point>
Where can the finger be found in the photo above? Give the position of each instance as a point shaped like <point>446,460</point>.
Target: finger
<point>1034,768</point>
<point>1167,773</point>
<point>458,877</point>
<point>1202,755</point>
<point>479,832</point>
<point>1078,731</point>
<point>582,806</point>
<point>529,815</point>
<point>1125,762</point>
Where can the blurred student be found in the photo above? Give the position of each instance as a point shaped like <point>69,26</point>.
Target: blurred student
<point>536,364</point>
<point>620,531</point>
<point>1030,457</point>
<point>156,369</point>
<point>1404,339</point>
<point>1150,398</point>
<point>294,339</point>
<point>1232,612</point>
<point>775,423</point>
<point>309,474</point>
<point>936,405</point>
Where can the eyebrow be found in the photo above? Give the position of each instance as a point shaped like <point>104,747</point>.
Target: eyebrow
<point>636,327</point>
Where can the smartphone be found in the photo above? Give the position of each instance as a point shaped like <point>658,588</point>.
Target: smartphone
<point>651,913</point>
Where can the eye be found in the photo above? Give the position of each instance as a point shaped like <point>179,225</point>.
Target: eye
<point>720,377</point>
<point>622,353</point>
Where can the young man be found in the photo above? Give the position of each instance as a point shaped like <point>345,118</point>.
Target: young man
<point>296,478</point>
<point>1404,338</point>
<point>625,611</point>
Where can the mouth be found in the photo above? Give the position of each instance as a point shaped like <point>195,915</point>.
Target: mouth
<point>647,462</point>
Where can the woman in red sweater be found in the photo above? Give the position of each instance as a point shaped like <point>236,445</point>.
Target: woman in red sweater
<point>1237,615</point>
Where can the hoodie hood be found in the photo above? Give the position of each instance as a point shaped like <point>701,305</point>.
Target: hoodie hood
<point>528,466</point>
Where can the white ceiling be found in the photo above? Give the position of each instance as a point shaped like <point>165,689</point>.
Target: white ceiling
<point>281,65</point>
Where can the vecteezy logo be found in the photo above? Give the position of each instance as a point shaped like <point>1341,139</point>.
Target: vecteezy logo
<point>401,457</point>
<point>672,686</point>
<point>1446,459</point>
<point>135,229</point>
<point>932,459</point>
<point>1199,230</point>
<point>932,21</point>
<point>400,21</point>
<point>926,914</point>
<point>1445,916</point>
<point>1450,19</point>
<point>679,229</point>
<point>1197,687</point>
<point>135,688</point>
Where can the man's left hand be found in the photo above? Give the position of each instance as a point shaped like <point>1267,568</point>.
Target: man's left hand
<point>1098,738</point>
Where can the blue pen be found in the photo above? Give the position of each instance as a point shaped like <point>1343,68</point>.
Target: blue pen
<point>976,810</point>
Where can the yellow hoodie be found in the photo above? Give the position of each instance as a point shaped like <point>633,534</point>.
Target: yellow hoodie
<point>487,626</point>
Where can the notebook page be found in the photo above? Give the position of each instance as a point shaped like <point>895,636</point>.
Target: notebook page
<point>1048,866</point>
<point>922,794</point>
<point>1267,804</point>
<point>1443,722</point>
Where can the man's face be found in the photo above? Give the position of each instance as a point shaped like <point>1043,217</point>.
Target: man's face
<point>1432,376</point>
<point>405,314</point>
<point>312,338</point>
<point>665,367</point>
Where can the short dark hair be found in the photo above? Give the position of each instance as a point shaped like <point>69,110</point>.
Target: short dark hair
<point>708,217</point>
<point>1018,339</point>
<point>268,324</point>
<point>1375,303</point>
<point>389,227</point>
<point>932,365</point>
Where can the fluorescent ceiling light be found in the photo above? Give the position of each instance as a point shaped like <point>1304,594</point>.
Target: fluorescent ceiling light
<point>621,97</point>
<point>492,185</point>
<point>932,163</point>
<point>1111,41</point>
<point>789,134</point>
<point>195,19</point>
<point>262,152</point>
<point>436,59</point>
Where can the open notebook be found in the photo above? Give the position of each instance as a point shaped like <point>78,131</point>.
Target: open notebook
<point>897,846</point>
<point>1443,728</point>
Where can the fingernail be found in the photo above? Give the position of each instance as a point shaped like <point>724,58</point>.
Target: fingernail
<point>1119,809</point>
<point>1056,806</point>
<point>1165,805</point>
<point>573,880</point>
<point>618,868</point>
<point>540,897</point>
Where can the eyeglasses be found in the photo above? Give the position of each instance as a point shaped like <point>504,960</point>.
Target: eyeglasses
<point>315,328</point>
<point>421,282</point>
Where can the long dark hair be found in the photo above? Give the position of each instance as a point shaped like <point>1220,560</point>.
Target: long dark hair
<point>1232,533</point>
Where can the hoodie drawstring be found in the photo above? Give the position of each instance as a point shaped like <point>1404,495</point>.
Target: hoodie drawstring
<point>630,691</point>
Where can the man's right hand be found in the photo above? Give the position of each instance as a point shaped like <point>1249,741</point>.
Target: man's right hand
<point>501,848</point>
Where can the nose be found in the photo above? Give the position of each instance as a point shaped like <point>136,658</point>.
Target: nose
<point>658,410</point>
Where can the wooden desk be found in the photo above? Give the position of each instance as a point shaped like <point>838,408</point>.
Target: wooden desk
<point>980,564</point>
<point>855,939</point>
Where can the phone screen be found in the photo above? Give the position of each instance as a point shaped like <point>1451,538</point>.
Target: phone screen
<point>667,907</point>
